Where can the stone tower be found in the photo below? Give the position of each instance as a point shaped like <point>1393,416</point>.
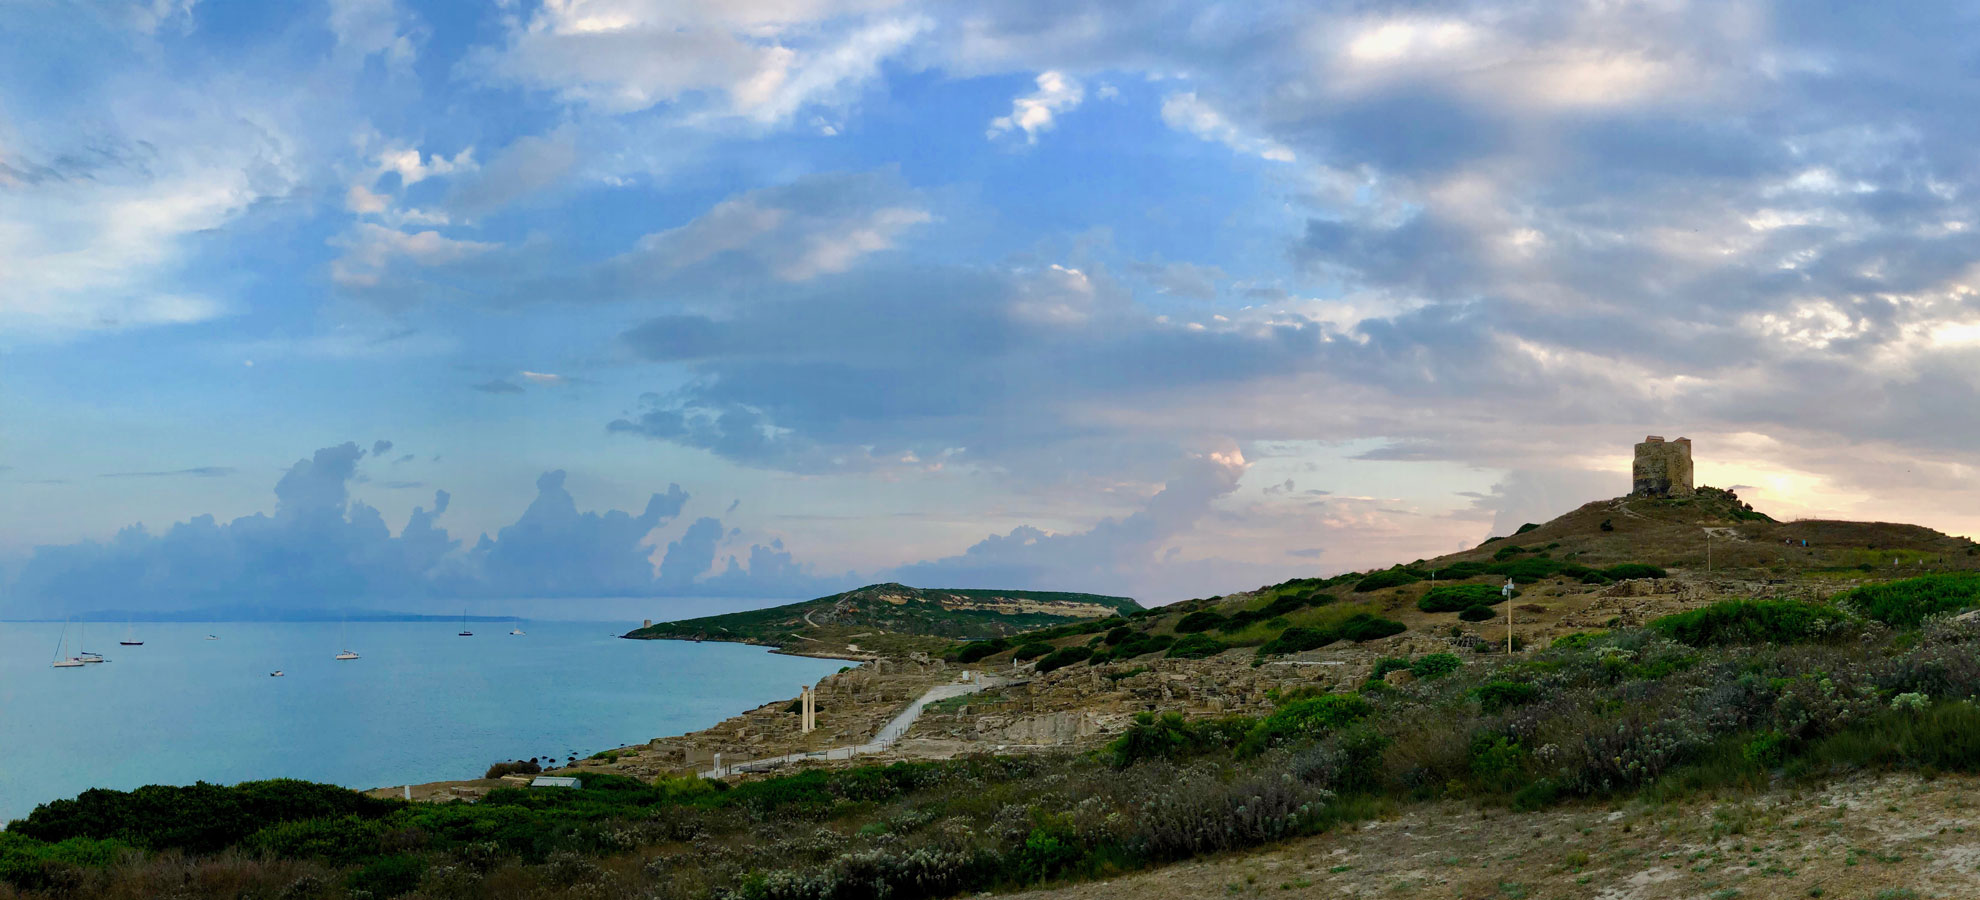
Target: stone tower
<point>1663,469</point>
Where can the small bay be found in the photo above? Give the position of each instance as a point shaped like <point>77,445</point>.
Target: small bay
<point>420,704</point>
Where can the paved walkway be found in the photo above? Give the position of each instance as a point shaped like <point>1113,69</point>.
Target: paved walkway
<point>889,733</point>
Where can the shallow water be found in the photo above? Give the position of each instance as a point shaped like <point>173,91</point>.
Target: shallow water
<point>422,704</point>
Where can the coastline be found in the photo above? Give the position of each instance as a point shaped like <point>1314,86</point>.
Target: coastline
<point>467,788</point>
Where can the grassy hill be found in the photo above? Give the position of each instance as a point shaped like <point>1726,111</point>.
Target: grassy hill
<point>892,618</point>
<point>1570,574</point>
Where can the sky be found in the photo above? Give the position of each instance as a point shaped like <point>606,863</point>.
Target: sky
<point>383,303</point>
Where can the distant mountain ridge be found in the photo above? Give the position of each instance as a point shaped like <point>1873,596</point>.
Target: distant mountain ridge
<point>892,617</point>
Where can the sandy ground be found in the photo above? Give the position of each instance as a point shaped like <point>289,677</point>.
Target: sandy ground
<point>1897,837</point>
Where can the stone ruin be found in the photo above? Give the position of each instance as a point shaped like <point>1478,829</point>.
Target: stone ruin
<point>1662,469</point>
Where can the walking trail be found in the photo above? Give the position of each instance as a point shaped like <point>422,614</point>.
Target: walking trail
<point>886,737</point>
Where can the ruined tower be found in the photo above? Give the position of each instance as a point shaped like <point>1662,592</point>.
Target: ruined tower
<point>1662,469</point>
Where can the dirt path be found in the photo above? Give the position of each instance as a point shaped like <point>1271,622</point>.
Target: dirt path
<point>1893,838</point>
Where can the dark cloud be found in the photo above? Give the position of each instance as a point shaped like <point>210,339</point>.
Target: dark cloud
<point>380,448</point>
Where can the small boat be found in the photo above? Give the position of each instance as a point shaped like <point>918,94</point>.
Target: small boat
<point>89,657</point>
<point>518,628</point>
<point>62,662</point>
<point>212,637</point>
<point>464,629</point>
<point>130,643</point>
<point>275,674</point>
<point>343,630</point>
<point>130,637</point>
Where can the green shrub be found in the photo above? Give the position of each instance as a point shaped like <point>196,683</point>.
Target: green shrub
<point>1386,579</point>
<point>1458,597</point>
<point>1435,665</point>
<point>1767,749</point>
<point>975,651</point>
<point>1201,620</point>
<point>1494,696</point>
<point>1296,639</point>
<point>1033,650</point>
<point>1063,657</point>
<point>1527,571</point>
<point>1525,528</point>
<point>1170,736</point>
<point>1906,603</point>
<point>1305,720</point>
<point>1751,622</point>
<point>1385,665</point>
<point>199,818</point>
<point>387,876</point>
<point>1117,634</point>
<point>517,767</point>
<point>1364,627</point>
<point>1197,646</point>
<point>1477,614</point>
<point>1633,570</point>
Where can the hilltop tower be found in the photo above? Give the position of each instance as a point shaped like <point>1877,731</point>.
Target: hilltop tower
<point>1663,469</point>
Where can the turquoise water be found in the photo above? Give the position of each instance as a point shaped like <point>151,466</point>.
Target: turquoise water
<point>420,705</point>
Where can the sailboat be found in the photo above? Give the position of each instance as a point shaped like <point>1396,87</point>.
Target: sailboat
<point>340,639</point>
<point>518,628</point>
<point>464,629</point>
<point>62,662</point>
<point>275,674</point>
<point>130,637</point>
<point>85,655</point>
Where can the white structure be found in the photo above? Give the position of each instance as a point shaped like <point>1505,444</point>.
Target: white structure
<point>807,711</point>
<point>556,781</point>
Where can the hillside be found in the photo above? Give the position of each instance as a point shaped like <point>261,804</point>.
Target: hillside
<point>887,619</point>
<point>1608,563</point>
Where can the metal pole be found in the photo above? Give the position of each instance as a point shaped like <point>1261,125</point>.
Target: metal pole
<point>1508,590</point>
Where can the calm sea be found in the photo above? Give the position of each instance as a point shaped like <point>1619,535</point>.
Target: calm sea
<point>422,704</point>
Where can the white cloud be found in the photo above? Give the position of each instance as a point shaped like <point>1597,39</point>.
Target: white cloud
<point>766,59</point>
<point>820,225</point>
<point>96,240</point>
<point>1036,112</point>
<point>1186,112</point>
<point>370,250</point>
<point>369,27</point>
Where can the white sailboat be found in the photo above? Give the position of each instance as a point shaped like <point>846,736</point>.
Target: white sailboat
<point>130,637</point>
<point>85,655</point>
<point>341,639</point>
<point>62,662</point>
<point>518,628</point>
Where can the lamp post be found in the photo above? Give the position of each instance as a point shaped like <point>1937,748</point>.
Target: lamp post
<point>1508,591</point>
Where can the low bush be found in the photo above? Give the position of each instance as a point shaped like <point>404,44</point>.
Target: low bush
<point>1435,665</point>
<point>1633,570</point>
<point>1201,620</point>
<point>1364,627</point>
<point>1170,736</point>
<point>1196,646</point>
<point>1063,657</point>
<point>1296,639</point>
<point>1477,613</point>
<point>1033,650</point>
<point>976,651</point>
<point>1752,622</point>
<point>517,767</point>
<point>1906,603</point>
<point>1458,597</point>
<point>1387,578</point>
<point>1305,720</point>
<point>1494,696</point>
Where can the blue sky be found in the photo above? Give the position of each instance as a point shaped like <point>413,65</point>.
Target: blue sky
<point>1153,298</point>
